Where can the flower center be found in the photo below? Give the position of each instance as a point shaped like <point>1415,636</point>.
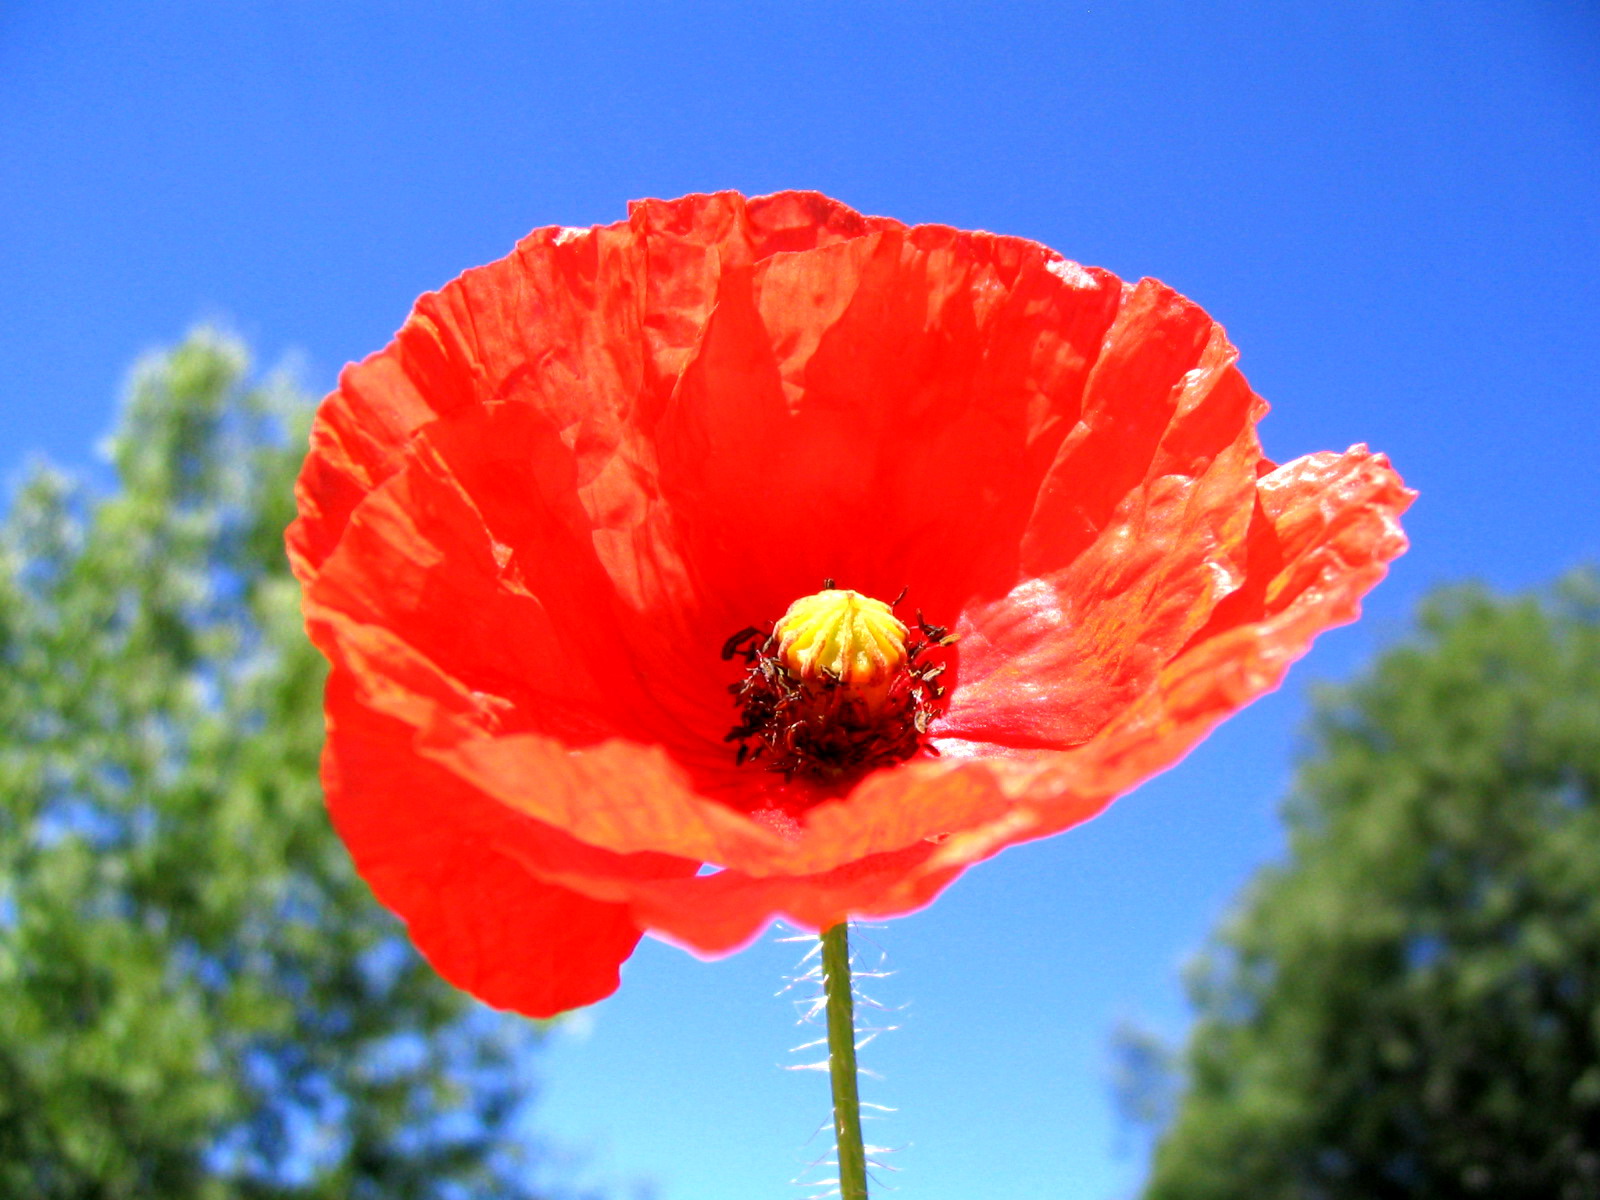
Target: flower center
<point>845,639</point>
<point>836,688</point>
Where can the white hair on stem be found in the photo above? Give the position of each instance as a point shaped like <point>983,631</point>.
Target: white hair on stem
<point>804,988</point>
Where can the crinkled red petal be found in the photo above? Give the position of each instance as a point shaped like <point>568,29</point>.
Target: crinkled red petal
<point>528,524</point>
<point>453,864</point>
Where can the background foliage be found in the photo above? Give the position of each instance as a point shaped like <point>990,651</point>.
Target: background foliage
<point>1410,1005</point>
<point>197,996</point>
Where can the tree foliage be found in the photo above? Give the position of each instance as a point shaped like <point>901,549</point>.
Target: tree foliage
<point>1410,1005</point>
<point>197,996</point>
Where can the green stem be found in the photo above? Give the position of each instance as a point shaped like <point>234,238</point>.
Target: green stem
<point>842,1063</point>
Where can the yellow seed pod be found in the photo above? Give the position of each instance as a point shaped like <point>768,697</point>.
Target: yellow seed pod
<point>842,636</point>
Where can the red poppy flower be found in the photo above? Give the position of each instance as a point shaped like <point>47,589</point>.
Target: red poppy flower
<point>529,526</point>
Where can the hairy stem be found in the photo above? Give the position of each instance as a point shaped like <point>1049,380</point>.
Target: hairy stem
<point>842,1063</point>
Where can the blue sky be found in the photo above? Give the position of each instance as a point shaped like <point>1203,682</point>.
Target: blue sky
<point>1391,206</point>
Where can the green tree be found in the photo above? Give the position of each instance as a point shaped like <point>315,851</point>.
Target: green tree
<point>1409,1006</point>
<point>198,998</point>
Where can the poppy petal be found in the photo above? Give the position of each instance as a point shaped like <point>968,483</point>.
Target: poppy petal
<point>1136,535</point>
<point>437,852</point>
<point>528,525</point>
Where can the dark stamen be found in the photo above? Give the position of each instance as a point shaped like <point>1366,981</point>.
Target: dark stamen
<point>820,727</point>
<point>733,645</point>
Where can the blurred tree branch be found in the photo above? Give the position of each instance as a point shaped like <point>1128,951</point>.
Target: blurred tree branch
<point>198,998</point>
<point>1409,1006</point>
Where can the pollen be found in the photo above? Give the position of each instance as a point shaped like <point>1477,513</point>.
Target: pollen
<point>836,687</point>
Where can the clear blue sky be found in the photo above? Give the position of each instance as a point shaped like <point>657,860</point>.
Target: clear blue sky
<point>1394,208</point>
